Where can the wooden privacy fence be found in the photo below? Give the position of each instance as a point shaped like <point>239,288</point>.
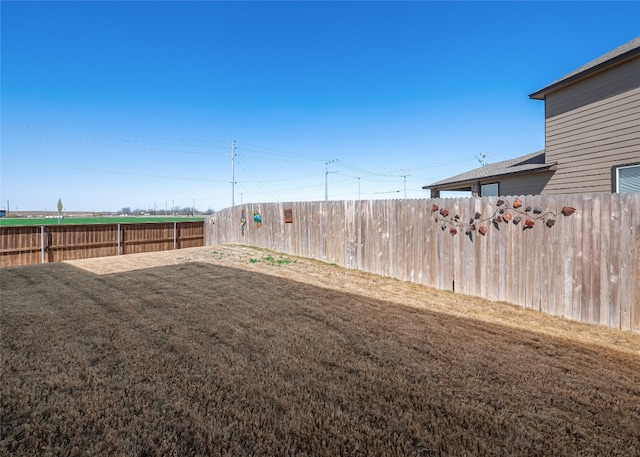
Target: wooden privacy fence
<point>584,266</point>
<point>28,245</point>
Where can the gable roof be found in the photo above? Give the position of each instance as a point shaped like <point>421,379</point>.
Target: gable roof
<point>529,163</point>
<point>620,54</point>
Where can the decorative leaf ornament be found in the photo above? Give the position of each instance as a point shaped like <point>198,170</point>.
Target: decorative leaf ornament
<point>503,213</point>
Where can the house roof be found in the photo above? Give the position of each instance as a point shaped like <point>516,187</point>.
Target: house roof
<point>620,54</point>
<point>529,163</point>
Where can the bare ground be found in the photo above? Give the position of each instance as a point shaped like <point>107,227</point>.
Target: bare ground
<point>229,350</point>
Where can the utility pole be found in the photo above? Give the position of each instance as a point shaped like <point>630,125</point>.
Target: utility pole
<point>233,174</point>
<point>326,178</point>
<point>404,176</point>
<point>482,157</point>
<point>359,177</point>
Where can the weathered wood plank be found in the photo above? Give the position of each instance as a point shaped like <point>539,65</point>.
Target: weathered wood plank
<point>626,249</point>
<point>595,253</point>
<point>604,236</point>
<point>586,238</point>
<point>614,261</point>
<point>635,276</point>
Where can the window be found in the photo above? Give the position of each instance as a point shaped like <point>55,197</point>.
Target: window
<point>489,190</point>
<point>627,178</point>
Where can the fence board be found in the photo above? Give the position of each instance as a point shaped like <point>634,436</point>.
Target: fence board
<point>635,276</point>
<point>595,254</point>
<point>614,261</point>
<point>626,260</point>
<point>605,291</point>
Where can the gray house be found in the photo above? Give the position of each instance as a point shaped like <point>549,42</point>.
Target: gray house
<point>592,136</point>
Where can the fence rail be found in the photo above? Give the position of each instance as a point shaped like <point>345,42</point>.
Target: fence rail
<point>584,266</point>
<point>26,245</point>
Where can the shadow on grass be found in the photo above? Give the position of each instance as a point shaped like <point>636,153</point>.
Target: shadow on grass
<point>199,359</point>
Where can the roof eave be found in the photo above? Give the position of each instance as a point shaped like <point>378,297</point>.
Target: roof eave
<point>542,93</point>
<point>464,182</point>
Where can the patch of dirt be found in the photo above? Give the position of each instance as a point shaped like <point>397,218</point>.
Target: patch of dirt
<point>234,351</point>
<point>368,285</point>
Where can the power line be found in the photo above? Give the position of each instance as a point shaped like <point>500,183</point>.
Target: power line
<point>119,136</point>
<point>120,144</point>
<point>129,173</point>
<point>280,152</point>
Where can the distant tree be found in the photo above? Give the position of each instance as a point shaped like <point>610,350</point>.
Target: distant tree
<point>126,210</point>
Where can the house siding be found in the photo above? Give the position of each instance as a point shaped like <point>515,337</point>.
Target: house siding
<point>592,126</point>
<point>613,81</point>
<point>532,184</point>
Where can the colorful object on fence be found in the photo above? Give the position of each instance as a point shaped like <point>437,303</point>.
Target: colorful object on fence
<point>288,216</point>
<point>243,222</point>
<point>503,212</point>
<point>257,219</point>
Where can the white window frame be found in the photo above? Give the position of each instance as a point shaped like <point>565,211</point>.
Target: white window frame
<point>617,174</point>
<point>497,184</point>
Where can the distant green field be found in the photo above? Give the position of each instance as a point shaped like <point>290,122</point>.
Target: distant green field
<point>14,222</point>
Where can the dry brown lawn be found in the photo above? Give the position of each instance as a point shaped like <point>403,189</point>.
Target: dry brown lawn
<point>234,351</point>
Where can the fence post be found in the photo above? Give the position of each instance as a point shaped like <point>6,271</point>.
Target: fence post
<point>42,243</point>
<point>175,233</point>
<point>118,239</point>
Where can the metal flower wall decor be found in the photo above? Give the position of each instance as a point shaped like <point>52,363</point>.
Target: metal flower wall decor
<point>505,213</point>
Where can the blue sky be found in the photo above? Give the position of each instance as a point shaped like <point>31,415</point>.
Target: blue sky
<point>135,104</point>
